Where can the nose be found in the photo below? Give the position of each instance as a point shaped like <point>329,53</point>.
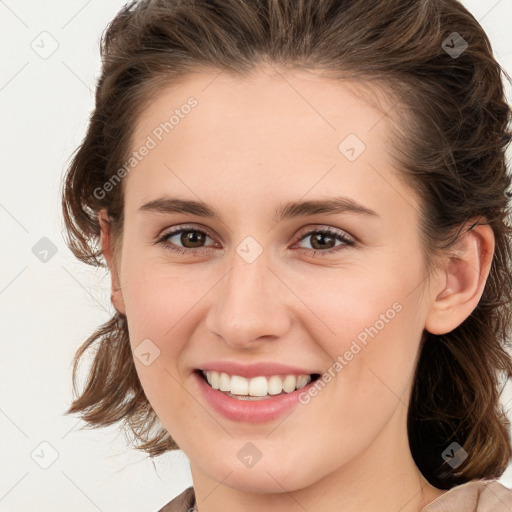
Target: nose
<point>249,304</point>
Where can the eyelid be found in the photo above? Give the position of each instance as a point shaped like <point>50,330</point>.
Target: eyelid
<point>305,231</point>
<point>184,227</point>
<point>326,228</point>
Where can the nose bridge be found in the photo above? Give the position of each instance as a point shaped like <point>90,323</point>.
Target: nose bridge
<point>248,302</point>
<point>248,280</point>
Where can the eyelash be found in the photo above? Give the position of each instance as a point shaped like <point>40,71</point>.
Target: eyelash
<point>164,239</point>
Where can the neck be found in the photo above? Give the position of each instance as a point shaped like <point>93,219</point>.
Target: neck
<point>384,478</point>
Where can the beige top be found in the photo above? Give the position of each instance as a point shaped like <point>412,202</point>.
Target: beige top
<point>474,496</point>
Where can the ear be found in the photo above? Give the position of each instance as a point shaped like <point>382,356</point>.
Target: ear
<point>460,283</point>
<point>107,246</point>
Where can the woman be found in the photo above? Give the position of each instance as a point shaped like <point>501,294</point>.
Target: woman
<point>303,208</point>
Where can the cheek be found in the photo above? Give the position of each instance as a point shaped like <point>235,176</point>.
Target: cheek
<point>370,325</point>
<point>157,304</point>
<point>352,304</point>
<point>158,296</point>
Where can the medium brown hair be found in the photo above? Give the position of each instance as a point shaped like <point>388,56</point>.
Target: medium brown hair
<point>450,148</point>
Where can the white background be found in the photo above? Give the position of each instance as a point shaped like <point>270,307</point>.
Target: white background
<point>49,309</point>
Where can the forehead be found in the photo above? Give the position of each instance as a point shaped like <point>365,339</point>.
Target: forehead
<point>286,128</point>
<point>268,100</point>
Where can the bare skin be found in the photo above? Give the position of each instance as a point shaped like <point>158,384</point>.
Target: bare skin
<point>249,146</point>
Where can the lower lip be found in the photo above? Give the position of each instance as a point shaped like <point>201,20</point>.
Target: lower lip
<point>250,411</point>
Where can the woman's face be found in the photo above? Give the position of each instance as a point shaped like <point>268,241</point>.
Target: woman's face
<point>248,285</point>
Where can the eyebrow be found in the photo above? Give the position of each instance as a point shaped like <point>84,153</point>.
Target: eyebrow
<point>288,210</point>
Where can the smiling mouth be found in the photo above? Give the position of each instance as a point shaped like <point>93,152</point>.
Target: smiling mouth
<point>256,388</point>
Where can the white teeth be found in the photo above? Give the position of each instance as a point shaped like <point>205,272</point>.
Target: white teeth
<point>275,385</point>
<point>289,383</point>
<point>239,385</point>
<point>257,386</point>
<point>302,380</point>
<point>224,381</point>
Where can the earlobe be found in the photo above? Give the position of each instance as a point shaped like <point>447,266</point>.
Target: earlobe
<point>460,285</point>
<point>107,247</point>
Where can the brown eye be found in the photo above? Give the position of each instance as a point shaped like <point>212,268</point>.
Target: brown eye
<point>324,240</point>
<point>184,240</point>
<point>192,238</point>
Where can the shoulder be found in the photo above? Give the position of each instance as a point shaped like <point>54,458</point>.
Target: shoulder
<point>473,496</point>
<point>495,497</point>
<point>181,503</point>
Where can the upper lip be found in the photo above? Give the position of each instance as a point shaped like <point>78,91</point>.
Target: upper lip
<point>263,368</point>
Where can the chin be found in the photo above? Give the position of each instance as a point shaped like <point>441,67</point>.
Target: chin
<point>260,482</point>
<point>262,478</point>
